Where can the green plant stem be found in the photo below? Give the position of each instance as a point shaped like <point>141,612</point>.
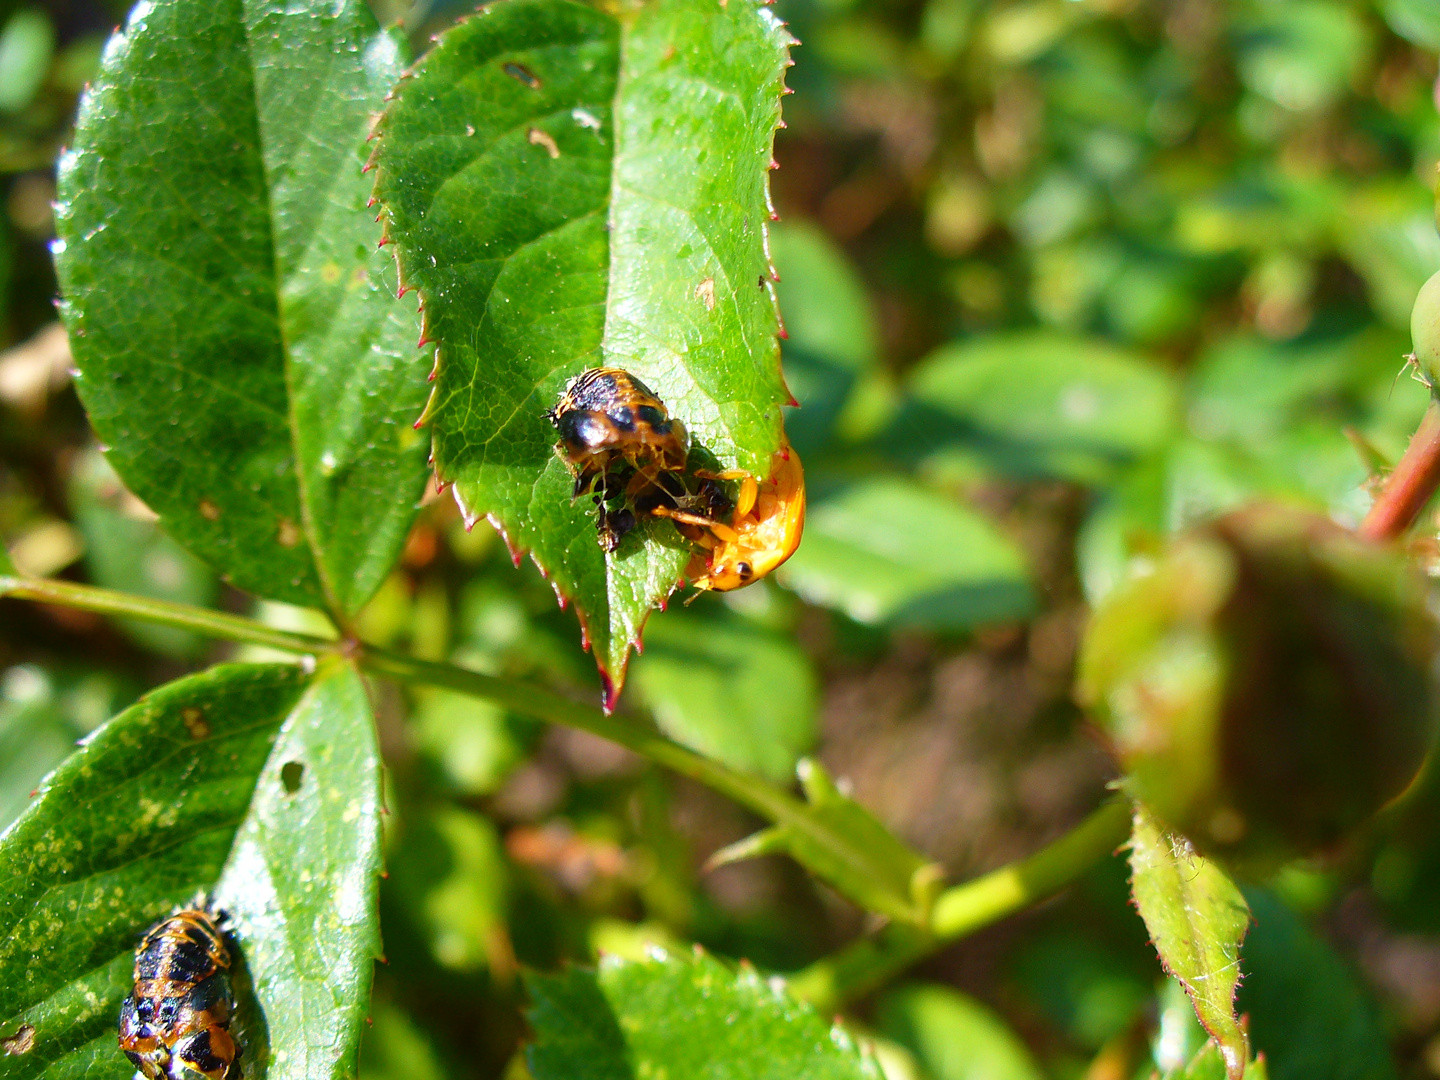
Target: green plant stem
<point>764,798</point>
<point>217,624</point>
<point>854,971</point>
<point>829,982</point>
<point>534,701</point>
<point>1410,484</point>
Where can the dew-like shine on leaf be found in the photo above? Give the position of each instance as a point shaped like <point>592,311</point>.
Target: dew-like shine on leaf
<point>566,189</point>
<point>185,794</point>
<point>239,347</point>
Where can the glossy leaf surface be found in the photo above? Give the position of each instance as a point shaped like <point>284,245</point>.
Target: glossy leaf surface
<point>239,348</point>
<point>681,1017</point>
<point>568,189</point>
<point>1197,919</point>
<point>189,793</point>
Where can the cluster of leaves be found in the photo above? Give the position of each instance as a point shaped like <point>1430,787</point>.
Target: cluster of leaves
<point>1058,278</point>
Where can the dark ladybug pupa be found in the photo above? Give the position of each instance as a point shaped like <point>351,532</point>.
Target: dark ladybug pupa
<point>175,1025</point>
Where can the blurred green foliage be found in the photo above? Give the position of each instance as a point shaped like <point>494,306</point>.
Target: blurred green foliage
<point>1059,278</point>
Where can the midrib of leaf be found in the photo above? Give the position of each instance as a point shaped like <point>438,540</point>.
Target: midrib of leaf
<point>278,280</point>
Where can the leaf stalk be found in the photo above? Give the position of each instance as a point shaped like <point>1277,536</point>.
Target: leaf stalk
<point>829,982</point>
<point>854,971</point>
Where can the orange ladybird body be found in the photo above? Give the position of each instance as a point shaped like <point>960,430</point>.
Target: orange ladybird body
<point>763,531</point>
<point>176,1022</point>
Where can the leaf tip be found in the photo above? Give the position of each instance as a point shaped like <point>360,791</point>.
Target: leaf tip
<point>610,693</point>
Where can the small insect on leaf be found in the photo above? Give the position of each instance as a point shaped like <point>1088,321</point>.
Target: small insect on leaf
<point>177,1018</point>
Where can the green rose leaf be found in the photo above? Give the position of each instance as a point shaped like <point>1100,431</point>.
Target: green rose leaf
<point>567,189</point>
<point>681,1017</point>
<point>239,347</point>
<point>731,690</point>
<point>1197,919</point>
<point>258,785</point>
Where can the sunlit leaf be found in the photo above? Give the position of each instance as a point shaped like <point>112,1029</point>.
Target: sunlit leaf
<point>1418,20</point>
<point>568,189</point>
<point>255,784</point>
<point>239,347</point>
<point>831,334</point>
<point>1040,404</point>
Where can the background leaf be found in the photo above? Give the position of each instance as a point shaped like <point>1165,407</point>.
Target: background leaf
<point>846,846</point>
<point>567,190</point>
<point>954,1036</point>
<point>890,551</point>
<point>126,550</point>
<point>831,339</point>
<point>1415,19</point>
<point>1038,404</point>
<point>187,793</point>
<point>681,1017</point>
<point>240,353</point>
<point>730,690</point>
<point>1308,1014</point>
<point>1197,919</point>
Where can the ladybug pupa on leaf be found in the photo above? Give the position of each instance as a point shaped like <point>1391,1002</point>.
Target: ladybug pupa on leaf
<point>606,416</point>
<point>175,1025</point>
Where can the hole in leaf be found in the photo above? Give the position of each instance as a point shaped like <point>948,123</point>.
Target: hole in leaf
<point>290,774</point>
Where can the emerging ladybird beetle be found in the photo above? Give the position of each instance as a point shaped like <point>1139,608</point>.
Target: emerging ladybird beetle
<point>176,1022</point>
<point>606,415</point>
<point>763,531</point>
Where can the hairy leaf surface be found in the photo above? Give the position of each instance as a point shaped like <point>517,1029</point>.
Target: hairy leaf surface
<point>568,188</point>
<point>682,1017</point>
<point>240,351</point>
<point>1197,919</point>
<point>190,792</point>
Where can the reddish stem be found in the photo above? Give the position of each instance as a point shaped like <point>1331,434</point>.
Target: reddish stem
<point>1409,487</point>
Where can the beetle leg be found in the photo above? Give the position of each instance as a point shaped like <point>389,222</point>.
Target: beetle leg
<point>724,532</point>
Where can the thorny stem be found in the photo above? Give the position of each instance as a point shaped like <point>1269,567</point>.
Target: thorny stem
<point>1410,485</point>
<point>830,983</point>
